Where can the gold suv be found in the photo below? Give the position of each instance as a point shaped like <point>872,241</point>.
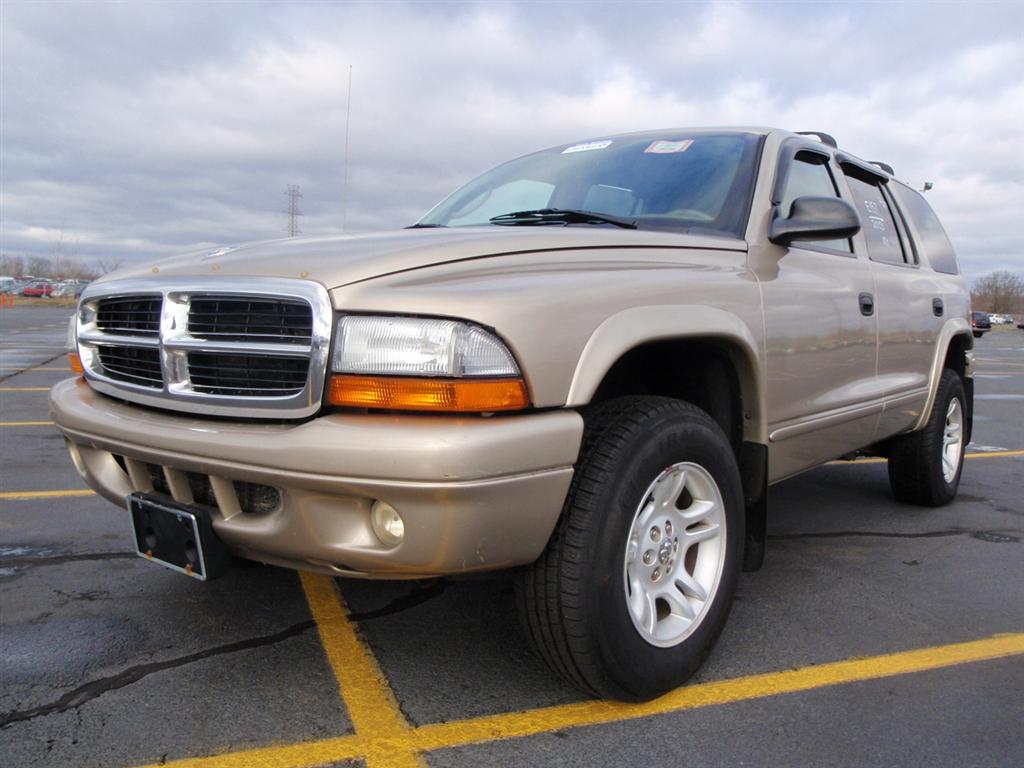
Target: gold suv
<point>587,364</point>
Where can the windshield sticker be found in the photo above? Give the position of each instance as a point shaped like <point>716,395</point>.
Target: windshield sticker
<point>668,147</point>
<point>587,147</point>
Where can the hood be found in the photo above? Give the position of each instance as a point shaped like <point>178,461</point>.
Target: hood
<point>341,260</point>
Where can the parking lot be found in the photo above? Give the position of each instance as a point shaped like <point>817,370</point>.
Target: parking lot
<point>875,634</point>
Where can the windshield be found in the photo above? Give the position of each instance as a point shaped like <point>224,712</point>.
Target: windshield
<point>685,182</point>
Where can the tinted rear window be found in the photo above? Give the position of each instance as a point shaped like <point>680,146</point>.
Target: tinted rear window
<point>931,237</point>
<point>877,221</point>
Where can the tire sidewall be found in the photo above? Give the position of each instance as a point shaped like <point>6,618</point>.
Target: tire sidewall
<point>950,387</point>
<point>643,668</point>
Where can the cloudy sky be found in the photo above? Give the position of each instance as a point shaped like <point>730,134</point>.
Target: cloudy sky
<point>138,130</point>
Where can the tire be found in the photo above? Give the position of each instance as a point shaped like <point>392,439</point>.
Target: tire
<point>625,642</point>
<point>918,471</point>
<point>977,334</point>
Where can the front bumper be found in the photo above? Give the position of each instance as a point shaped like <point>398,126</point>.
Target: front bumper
<point>475,493</point>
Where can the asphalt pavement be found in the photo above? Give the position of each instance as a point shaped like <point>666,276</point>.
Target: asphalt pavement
<point>875,634</point>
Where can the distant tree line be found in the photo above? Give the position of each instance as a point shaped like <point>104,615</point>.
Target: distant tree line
<point>55,267</point>
<point>1001,292</point>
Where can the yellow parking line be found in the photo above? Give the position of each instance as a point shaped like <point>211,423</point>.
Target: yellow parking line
<point>23,495</point>
<point>26,423</point>
<point>547,719</point>
<point>309,753</point>
<point>992,454</point>
<point>24,389</point>
<point>371,705</point>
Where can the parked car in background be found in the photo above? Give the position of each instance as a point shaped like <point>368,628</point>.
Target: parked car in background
<point>7,283</point>
<point>69,288</point>
<point>38,289</point>
<point>980,324</point>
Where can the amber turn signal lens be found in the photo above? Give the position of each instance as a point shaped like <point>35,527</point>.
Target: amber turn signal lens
<point>76,363</point>
<point>414,394</point>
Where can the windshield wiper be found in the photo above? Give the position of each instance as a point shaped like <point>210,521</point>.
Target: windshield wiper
<point>562,216</point>
<point>424,226</point>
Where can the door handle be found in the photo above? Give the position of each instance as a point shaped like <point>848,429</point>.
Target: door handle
<point>937,307</point>
<point>867,304</point>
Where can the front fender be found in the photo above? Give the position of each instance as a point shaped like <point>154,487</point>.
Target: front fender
<point>630,328</point>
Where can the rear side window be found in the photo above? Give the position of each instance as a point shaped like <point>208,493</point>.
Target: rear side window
<point>877,222</point>
<point>931,237</point>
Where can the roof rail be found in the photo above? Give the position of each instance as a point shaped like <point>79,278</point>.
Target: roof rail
<point>884,166</point>
<point>824,138</point>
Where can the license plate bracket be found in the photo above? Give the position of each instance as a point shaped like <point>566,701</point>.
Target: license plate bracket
<point>176,536</point>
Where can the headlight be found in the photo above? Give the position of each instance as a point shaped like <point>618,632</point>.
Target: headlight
<point>408,363</point>
<point>409,346</point>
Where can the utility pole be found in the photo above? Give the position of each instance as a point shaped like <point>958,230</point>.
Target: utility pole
<point>344,181</point>
<point>293,194</point>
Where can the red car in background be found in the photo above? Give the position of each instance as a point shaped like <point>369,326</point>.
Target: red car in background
<point>39,289</point>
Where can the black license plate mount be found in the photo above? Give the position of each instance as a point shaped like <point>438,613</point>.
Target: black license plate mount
<point>176,536</point>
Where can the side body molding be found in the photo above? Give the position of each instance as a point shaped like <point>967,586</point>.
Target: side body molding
<point>632,327</point>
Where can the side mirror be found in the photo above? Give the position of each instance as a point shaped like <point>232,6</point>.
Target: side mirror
<point>815,218</point>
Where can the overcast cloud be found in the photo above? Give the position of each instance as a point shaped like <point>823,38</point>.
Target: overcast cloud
<point>140,130</point>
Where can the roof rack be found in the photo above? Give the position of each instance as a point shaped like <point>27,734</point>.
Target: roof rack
<point>884,166</point>
<point>824,138</point>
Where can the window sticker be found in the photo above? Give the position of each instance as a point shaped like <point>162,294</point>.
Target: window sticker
<point>587,147</point>
<point>668,147</point>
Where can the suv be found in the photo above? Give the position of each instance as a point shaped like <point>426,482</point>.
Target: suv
<point>981,323</point>
<point>587,365</point>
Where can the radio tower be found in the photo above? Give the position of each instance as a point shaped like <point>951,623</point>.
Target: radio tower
<point>293,211</point>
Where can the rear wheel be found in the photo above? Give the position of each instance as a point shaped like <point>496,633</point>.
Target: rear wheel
<point>637,580</point>
<point>925,466</point>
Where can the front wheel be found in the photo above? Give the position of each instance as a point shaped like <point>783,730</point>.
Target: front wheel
<point>638,577</point>
<point>925,466</point>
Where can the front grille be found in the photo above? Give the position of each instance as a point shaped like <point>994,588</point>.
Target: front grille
<point>248,347</point>
<point>247,375</point>
<point>129,315</point>
<point>240,318</point>
<point>132,365</point>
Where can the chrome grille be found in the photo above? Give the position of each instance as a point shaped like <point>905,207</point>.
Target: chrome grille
<point>133,365</point>
<point>129,315</point>
<point>246,375</point>
<point>255,349</point>
<point>235,318</point>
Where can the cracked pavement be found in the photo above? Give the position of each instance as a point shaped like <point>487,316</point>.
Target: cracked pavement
<point>108,660</point>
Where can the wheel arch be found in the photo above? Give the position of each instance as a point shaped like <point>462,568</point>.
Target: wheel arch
<point>652,350</point>
<point>709,332</point>
<point>953,344</point>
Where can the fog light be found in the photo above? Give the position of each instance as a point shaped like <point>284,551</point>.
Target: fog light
<point>387,523</point>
